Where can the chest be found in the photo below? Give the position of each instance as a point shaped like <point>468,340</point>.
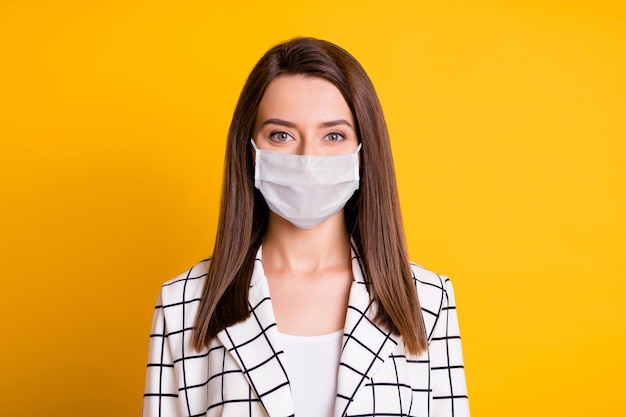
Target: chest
<point>312,305</point>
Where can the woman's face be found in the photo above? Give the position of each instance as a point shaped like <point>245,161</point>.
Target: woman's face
<point>304,115</point>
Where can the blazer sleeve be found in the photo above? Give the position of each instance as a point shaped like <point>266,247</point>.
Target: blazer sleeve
<point>449,389</point>
<point>161,390</point>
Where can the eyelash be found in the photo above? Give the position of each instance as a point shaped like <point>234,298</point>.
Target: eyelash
<point>340,136</point>
<point>278,132</point>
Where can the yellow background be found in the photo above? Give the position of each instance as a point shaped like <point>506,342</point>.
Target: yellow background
<point>508,124</point>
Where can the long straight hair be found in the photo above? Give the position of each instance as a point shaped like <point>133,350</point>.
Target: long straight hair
<point>372,215</point>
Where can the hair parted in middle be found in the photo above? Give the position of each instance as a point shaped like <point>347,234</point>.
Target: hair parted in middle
<point>372,215</point>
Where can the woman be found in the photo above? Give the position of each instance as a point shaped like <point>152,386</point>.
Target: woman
<point>310,216</point>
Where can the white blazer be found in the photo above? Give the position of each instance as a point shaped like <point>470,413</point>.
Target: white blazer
<point>242,373</point>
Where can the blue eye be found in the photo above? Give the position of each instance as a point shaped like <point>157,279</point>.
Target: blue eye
<point>335,137</point>
<point>280,136</point>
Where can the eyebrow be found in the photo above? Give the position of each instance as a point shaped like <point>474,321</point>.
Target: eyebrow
<point>286,123</point>
<point>337,123</point>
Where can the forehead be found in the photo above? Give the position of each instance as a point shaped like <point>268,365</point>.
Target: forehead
<point>303,97</point>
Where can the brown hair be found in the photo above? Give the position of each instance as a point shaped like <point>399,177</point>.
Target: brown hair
<point>372,215</point>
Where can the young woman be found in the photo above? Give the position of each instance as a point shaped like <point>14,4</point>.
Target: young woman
<point>309,305</point>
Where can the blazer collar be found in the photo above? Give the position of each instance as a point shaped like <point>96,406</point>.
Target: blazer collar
<point>366,345</point>
<point>255,345</point>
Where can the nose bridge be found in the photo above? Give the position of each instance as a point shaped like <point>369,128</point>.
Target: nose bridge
<point>307,143</point>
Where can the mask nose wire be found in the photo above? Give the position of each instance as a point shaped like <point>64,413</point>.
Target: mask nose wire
<point>256,148</point>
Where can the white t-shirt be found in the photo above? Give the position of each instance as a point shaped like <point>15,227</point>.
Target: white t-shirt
<point>312,363</point>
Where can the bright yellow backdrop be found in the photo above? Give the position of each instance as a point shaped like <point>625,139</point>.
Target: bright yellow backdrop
<point>508,123</point>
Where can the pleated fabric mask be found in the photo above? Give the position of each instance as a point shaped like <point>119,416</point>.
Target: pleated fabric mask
<point>306,189</point>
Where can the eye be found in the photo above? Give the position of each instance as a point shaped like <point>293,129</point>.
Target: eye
<point>335,137</point>
<point>280,136</point>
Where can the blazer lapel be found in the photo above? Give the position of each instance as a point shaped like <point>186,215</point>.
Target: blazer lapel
<point>254,345</point>
<point>366,345</point>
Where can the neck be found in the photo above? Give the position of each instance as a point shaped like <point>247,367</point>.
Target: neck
<point>289,248</point>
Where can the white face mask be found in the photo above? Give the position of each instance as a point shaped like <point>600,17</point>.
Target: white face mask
<point>306,189</point>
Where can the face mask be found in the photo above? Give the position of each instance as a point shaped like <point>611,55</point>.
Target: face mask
<point>306,189</point>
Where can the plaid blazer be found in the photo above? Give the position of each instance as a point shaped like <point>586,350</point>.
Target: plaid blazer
<point>241,373</point>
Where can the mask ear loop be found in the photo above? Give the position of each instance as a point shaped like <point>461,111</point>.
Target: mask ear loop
<point>358,161</point>
<point>255,154</point>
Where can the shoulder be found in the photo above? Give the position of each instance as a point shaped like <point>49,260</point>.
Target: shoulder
<point>175,314</point>
<point>187,286</point>
<point>432,292</point>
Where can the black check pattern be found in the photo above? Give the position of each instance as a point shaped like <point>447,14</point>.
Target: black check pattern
<point>241,373</point>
